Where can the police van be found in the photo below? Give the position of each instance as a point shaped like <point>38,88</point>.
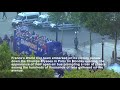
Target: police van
<point>42,22</point>
<point>25,18</point>
<point>64,26</point>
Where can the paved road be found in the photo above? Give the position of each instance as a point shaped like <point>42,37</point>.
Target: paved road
<point>5,25</point>
<point>68,36</point>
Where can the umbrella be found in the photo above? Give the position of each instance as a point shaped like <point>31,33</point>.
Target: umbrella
<point>115,67</point>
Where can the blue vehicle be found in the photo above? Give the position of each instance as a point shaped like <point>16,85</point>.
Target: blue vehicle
<point>26,43</point>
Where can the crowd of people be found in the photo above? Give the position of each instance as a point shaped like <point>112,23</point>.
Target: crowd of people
<point>23,32</point>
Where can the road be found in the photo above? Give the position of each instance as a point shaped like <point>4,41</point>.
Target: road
<point>68,35</point>
<point>5,25</point>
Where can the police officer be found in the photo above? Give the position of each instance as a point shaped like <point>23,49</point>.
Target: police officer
<point>76,43</point>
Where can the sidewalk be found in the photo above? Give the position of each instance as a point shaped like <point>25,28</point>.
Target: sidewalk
<point>96,51</point>
<point>78,52</point>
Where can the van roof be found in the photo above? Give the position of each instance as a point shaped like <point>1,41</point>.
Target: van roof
<point>44,16</point>
<point>28,13</point>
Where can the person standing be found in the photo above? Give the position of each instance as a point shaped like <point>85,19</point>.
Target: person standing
<point>4,15</point>
<point>33,33</point>
<point>76,43</point>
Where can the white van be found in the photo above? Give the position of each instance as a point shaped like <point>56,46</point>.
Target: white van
<point>42,22</point>
<point>25,17</point>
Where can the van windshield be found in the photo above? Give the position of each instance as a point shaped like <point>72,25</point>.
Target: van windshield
<point>42,19</point>
<point>18,17</point>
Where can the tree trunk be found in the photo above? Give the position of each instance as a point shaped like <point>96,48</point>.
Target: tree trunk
<point>56,32</point>
<point>115,47</point>
<point>62,37</point>
<point>90,44</point>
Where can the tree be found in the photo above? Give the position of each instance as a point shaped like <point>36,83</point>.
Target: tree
<point>5,56</point>
<point>57,17</point>
<point>105,23</point>
<point>114,26</point>
<point>85,19</point>
<point>93,21</point>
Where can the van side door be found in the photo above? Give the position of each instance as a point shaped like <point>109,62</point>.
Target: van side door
<point>24,20</point>
<point>32,18</point>
<point>47,22</point>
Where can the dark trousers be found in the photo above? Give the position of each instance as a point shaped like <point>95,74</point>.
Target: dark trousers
<point>4,15</point>
<point>76,46</point>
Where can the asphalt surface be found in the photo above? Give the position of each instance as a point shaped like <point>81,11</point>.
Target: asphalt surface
<point>5,24</point>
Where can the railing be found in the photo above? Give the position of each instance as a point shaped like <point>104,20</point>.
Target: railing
<point>88,43</point>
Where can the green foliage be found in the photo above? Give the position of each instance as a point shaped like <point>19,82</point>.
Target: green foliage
<point>5,66</point>
<point>57,17</point>
<point>15,54</point>
<point>5,56</point>
<point>32,55</point>
<point>105,23</point>
<point>74,17</point>
<point>82,73</point>
<point>42,73</point>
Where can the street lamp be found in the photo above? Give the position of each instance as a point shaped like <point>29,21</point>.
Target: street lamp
<point>90,43</point>
<point>56,32</point>
<point>103,50</point>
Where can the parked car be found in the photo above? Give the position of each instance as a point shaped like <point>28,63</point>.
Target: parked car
<point>42,22</point>
<point>25,17</point>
